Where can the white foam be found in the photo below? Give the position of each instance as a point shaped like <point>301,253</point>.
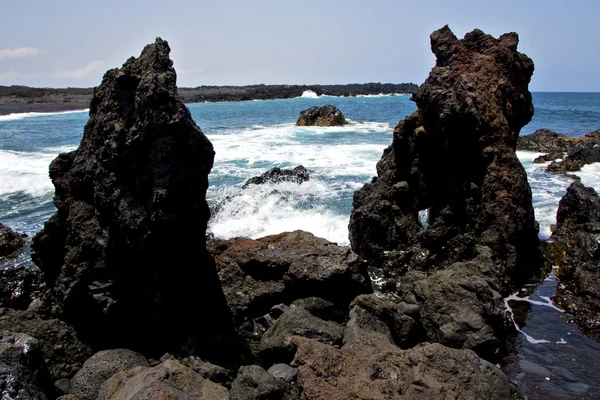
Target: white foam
<point>268,209</point>
<point>309,94</point>
<point>529,338</point>
<point>590,175</point>
<point>424,218</point>
<point>23,172</point>
<point>18,116</point>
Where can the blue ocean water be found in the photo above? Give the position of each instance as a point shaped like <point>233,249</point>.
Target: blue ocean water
<point>251,137</point>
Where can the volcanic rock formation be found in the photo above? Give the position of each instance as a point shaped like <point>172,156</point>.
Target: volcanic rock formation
<point>450,189</point>
<point>326,115</point>
<point>10,242</point>
<point>124,256</point>
<point>575,249</point>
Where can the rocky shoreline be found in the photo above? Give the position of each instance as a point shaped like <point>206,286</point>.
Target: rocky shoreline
<point>133,299</point>
<point>22,99</point>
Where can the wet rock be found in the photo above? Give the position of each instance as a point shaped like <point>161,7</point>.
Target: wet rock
<point>577,157</point>
<point>322,308</point>
<point>124,256</point>
<point>575,249</point>
<point>23,373</point>
<point>168,380</point>
<point>417,218</point>
<point>10,242</point>
<point>275,343</point>
<point>549,157</point>
<point>531,368</point>
<point>283,371</point>
<point>63,352</point>
<point>276,175</point>
<point>97,369</point>
<point>253,382</point>
<point>327,115</point>
<point>18,286</point>
<point>564,374</point>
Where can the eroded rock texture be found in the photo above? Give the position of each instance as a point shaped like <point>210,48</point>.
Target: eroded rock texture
<point>124,256</point>
<point>450,189</point>
<point>576,250</point>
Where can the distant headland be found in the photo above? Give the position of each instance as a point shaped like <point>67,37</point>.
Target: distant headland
<point>18,99</point>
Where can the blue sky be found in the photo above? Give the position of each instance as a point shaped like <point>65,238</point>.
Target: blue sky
<point>72,43</point>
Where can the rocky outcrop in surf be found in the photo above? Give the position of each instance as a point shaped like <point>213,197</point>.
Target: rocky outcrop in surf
<point>573,152</point>
<point>327,115</point>
<point>124,256</point>
<point>10,242</point>
<point>276,175</point>
<point>451,195</point>
<point>575,249</point>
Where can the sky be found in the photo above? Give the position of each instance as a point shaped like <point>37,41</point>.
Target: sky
<point>72,43</point>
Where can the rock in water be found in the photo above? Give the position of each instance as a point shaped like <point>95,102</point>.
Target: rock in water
<point>124,257</point>
<point>10,242</point>
<point>326,115</point>
<point>275,175</point>
<point>449,220</point>
<point>451,178</point>
<point>576,250</point>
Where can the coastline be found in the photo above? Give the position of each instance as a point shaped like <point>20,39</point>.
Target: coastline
<point>23,99</point>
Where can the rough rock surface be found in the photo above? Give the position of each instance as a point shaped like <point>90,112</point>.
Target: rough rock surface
<point>124,256</point>
<point>371,366</point>
<point>275,175</point>
<point>23,373</point>
<point>97,369</point>
<point>575,248</point>
<point>18,286</point>
<point>450,186</point>
<point>168,380</point>
<point>253,382</point>
<point>258,274</point>
<point>62,350</point>
<point>10,242</point>
<point>327,115</point>
<point>296,321</point>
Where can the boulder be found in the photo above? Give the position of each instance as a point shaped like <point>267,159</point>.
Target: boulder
<point>10,242</point>
<point>254,383</point>
<point>258,274</point>
<point>275,343</point>
<point>327,115</point>
<point>450,187</point>
<point>23,373</point>
<point>544,158</point>
<point>124,256</point>
<point>61,349</point>
<point>97,369</point>
<point>574,247</point>
<point>275,175</point>
<point>168,380</point>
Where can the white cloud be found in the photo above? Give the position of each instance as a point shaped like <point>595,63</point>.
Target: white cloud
<point>83,72</point>
<point>18,52</point>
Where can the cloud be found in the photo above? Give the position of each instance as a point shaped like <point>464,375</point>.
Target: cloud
<point>18,52</point>
<point>83,72</point>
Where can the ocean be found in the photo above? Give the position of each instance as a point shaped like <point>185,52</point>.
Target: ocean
<point>251,137</point>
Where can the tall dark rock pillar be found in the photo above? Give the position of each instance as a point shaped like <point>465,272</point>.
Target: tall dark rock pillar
<point>124,257</point>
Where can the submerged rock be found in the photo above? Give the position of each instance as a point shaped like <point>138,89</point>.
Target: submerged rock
<point>275,175</point>
<point>451,186</point>
<point>575,247</point>
<point>124,257</point>
<point>327,115</point>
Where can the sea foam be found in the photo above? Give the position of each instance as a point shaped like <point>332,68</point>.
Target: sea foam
<point>19,116</point>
